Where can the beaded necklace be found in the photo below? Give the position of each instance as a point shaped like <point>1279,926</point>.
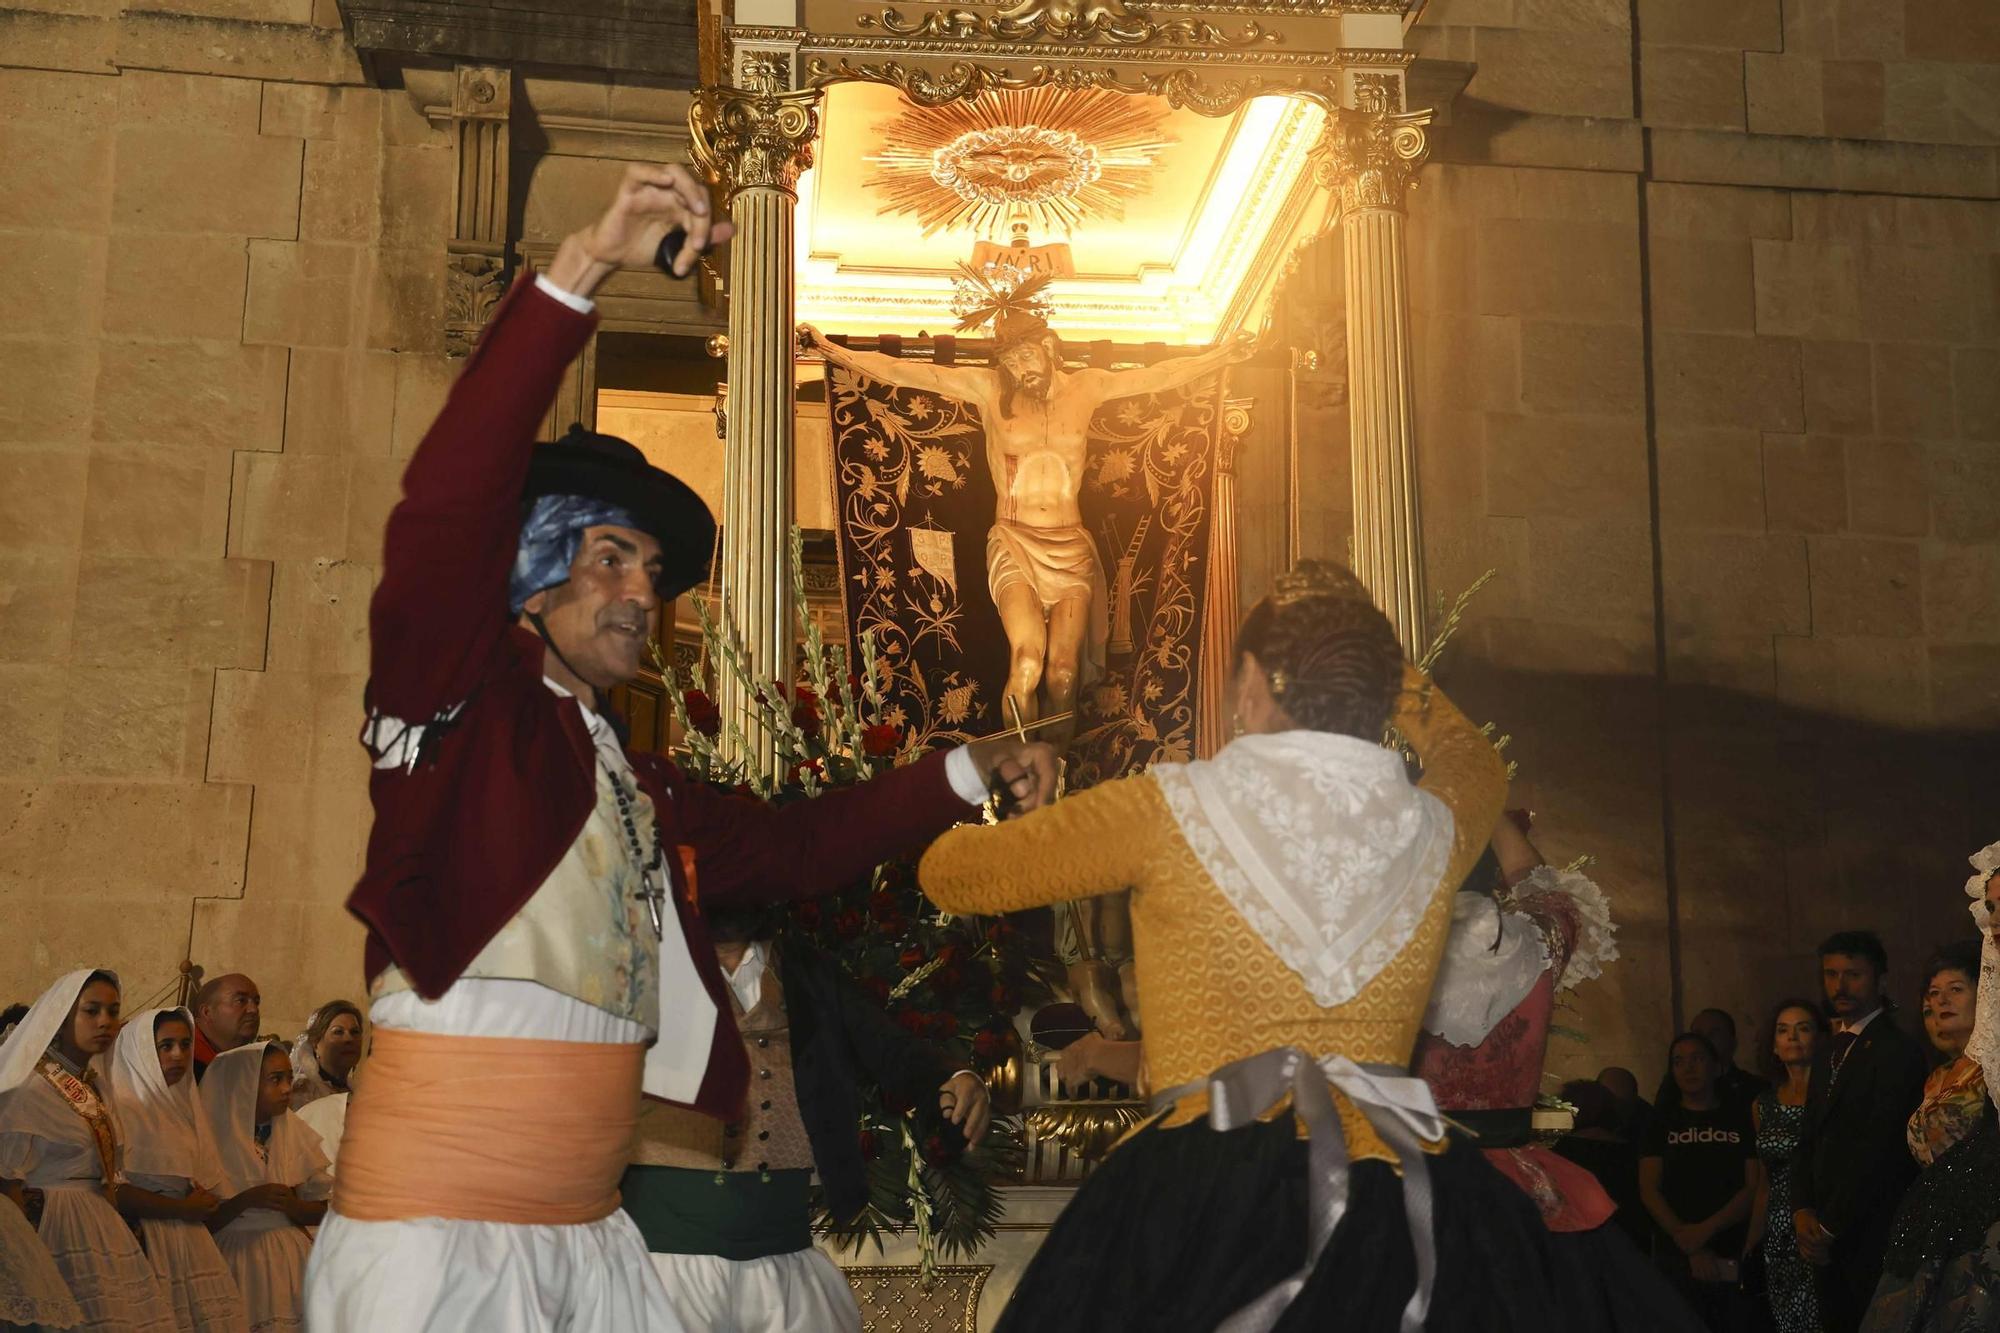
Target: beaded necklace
<point>652,877</point>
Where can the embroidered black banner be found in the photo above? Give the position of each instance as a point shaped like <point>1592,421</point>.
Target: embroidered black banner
<point>916,502</point>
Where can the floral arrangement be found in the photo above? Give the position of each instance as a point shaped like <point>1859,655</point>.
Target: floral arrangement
<point>956,982</point>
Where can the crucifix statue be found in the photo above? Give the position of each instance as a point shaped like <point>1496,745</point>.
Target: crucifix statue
<point>1042,568</point>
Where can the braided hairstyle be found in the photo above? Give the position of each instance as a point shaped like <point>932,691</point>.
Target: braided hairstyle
<point>1331,658</point>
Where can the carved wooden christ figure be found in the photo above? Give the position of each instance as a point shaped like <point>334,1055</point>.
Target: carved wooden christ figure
<point>1041,564</point>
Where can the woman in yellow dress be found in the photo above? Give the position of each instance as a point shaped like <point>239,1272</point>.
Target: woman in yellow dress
<point>1289,901</point>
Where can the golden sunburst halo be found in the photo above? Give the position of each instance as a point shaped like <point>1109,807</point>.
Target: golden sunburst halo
<point>1049,157</point>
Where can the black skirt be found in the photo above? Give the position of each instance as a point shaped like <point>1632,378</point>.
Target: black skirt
<point>1182,1227</point>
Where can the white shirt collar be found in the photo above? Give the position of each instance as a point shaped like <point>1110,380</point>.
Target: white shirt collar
<point>601,733</point>
<point>747,981</point>
<point>1856,1025</point>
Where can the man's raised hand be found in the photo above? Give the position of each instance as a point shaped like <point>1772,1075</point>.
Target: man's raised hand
<point>651,201</point>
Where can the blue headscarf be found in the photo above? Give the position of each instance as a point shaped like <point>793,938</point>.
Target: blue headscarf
<point>550,535</point>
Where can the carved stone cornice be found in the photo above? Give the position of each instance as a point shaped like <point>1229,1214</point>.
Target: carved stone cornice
<point>656,41</point>
<point>1371,158</point>
<point>476,251</point>
<point>1111,21</point>
<point>758,135</point>
<point>1208,95</point>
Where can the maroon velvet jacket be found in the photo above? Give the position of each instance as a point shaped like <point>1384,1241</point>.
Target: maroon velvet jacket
<point>464,837</point>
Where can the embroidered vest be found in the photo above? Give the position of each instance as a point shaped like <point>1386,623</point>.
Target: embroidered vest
<point>766,1134</point>
<point>586,932</point>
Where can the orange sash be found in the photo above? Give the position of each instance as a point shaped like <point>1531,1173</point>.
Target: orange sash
<point>488,1129</point>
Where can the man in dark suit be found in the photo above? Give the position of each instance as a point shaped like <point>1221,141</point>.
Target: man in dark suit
<point>1853,1163</point>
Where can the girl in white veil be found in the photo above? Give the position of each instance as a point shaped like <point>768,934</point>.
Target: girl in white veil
<point>172,1169</point>
<point>275,1181</point>
<point>59,1142</point>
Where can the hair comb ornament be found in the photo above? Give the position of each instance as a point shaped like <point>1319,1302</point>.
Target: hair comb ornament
<point>1316,578</point>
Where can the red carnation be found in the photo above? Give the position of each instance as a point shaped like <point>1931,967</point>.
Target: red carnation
<point>702,713</point>
<point>912,1022</point>
<point>912,957</point>
<point>990,1045</point>
<point>806,914</point>
<point>942,1024</point>
<point>998,930</point>
<point>805,711</point>
<point>883,906</point>
<point>877,989</point>
<point>1005,998</point>
<point>848,924</point>
<point>870,1150</point>
<point>935,1152</point>
<point>881,740</point>
<point>796,771</point>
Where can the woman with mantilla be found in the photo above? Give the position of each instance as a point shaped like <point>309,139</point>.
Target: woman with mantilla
<point>59,1141</point>
<point>1289,902</point>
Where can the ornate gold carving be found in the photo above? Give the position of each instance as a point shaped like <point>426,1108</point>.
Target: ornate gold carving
<point>758,135</point>
<point>1236,418</point>
<point>1378,91</point>
<point>1048,157</point>
<point>1371,158</point>
<point>1180,87</point>
<point>1067,20</point>
<point>820,42</point>
<point>903,1296</point>
<point>1087,1129</point>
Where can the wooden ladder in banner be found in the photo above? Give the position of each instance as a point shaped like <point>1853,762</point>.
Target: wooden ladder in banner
<point>1121,587</point>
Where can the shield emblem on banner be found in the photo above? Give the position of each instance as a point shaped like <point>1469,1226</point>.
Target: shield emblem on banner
<point>931,549</point>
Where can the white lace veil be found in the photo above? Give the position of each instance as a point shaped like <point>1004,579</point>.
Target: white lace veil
<point>1984,1044</point>
<point>1321,843</point>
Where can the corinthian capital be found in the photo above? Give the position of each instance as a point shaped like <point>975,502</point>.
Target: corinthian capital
<point>1371,157</point>
<point>758,134</point>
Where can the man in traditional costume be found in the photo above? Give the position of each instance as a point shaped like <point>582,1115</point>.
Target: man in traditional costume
<point>726,1207</point>
<point>534,949</point>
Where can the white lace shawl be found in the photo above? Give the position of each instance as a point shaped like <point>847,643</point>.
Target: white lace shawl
<point>1594,945</point>
<point>1321,843</point>
<point>1492,959</point>
<point>1984,1043</point>
<point>1482,978</point>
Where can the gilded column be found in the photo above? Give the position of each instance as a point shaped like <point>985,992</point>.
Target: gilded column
<point>754,139</point>
<point>1221,603</point>
<point>1371,157</point>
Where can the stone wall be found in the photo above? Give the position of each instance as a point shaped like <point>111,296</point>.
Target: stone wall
<point>1709,349</point>
<point>221,334</point>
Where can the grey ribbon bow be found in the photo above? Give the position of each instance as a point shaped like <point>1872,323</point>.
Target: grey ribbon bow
<point>1399,1107</point>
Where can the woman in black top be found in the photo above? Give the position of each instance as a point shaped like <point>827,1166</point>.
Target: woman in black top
<point>1697,1175</point>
